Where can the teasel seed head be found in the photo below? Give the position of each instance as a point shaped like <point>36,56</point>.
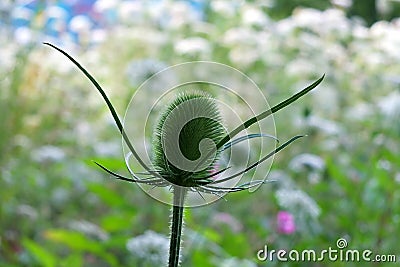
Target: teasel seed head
<point>186,137</point>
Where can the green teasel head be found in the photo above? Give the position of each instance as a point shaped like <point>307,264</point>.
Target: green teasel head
<point>185,139</point>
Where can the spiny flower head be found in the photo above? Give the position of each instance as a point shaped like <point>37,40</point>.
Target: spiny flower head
<point>185,139</point>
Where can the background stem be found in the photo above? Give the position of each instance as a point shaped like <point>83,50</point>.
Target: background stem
<point>176,227</point>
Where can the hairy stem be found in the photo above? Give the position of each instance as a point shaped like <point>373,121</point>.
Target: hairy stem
<point>176,227</point>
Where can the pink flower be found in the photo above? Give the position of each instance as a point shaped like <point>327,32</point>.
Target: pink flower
<point>285,223</point>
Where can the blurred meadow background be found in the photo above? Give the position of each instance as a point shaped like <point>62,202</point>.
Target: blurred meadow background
<point>342,181</point>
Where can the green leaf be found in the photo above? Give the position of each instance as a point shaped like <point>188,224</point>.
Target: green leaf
<point>73,260</point>
<point>79,242</point>
<point>107,195</point>
<point>116,222</point>
<point>42,256</point>
<point>112,163</point>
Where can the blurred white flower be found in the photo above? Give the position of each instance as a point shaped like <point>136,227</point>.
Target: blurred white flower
<point>223,7</point>
<point>360,31</point>
<point>387,39</point>
<point>294,199</point>
<point>131,11</point>
<point>390,104</point>
<point>284,27</point>
<point>313,164</point>
<point>149,37</point>
<point>228,220</point>
<point>193,46</point>
<point>305,160</point>
<point>240,35</point>
<point>89,229</point>
<point>327,100</point>
<point>80,24</point>
<point>179,14</point>
<point>107,149</point>
<point>282,178</point>
<point>48,153</point>
<point>60,196</point>
<point>327,126</point>
<point>8,53</point>
<point>243,56</point>
<point>342,3</point>
<point>138,71</point>
<point>150,247</point>
<point>28,211</point>
<point>359,112</point>
<point>105,5</point>
<point>330,21</point>
<point>56,12</point>
<point>307,17</point>
<point>20,12</point>
<point>98,35</point>
<point>397,177</point>
<point>253,16</point>
<point>23,35</point>
<point>301,67</point>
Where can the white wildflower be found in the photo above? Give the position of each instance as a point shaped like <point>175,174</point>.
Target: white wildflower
<point>223,7</point>
<point>89,229</point>
<point>22,13</point>
<point>98,35</point>
<point>327,126</point>
<point>240,35</point>
<point>254,16</point>
<point>107,148</point>
<point>27,211</point>
<point>105,5</point>
<point>80,23</point>
<point>397,177</point>
<point>193,46</point>
<point>307,160</point>
<point>244,56</point>
<point>139,71</point>
<point>359,112</point>
<point>295,199</point>
<point>150,247</point>
<point>48,153</point>
<point>342,3</point>
<point>56,12</point>
<point>390,104</point>
<point>131,11</point>
<point>312,163</point>
<point>180,13</point>
<point>301,67</point>
<point>23,35</point>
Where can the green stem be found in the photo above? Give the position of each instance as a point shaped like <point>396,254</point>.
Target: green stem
<point>176,227</point>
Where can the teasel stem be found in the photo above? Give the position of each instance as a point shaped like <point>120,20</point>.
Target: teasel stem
<point>177,225</point>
